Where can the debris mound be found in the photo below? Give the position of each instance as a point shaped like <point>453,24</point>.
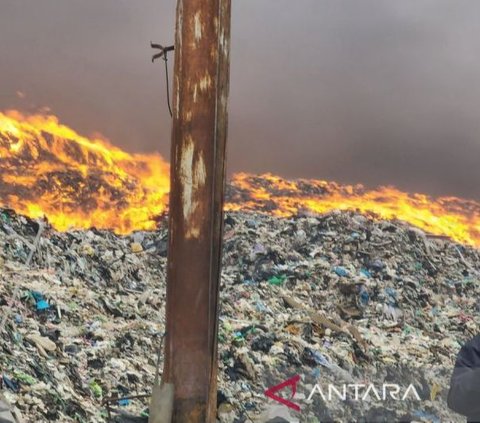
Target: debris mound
<point>334,298</point>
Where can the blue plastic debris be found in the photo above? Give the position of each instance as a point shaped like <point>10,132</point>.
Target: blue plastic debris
<point>341,271</point>
<point>391,296</point>
<point>320,358</point>
<point>238,335</point>
<point>260,306</point>
<point>376,265</point>
<point>41,303</point>
<point>10,384</point>
<point>123,402</point>
<point>363,297</point>
<point>353,236</point>
<point>37,296</point>
<point>424,415</point>
<point>391,291</point>
<point>365,272</point>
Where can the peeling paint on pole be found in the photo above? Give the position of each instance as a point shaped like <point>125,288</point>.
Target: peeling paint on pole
<point>193,174</point>
<point>196,201</point>
<point>198,26</point>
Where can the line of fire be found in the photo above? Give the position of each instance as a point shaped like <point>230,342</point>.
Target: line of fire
<point>333,285</point>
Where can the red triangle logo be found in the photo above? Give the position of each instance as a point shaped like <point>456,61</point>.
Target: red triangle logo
<point>292,383</point>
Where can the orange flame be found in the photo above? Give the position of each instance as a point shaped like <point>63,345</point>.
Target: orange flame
<point>451,217</point>
<point>47,169</point>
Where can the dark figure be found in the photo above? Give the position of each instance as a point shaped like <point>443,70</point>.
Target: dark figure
<point>464,394</point>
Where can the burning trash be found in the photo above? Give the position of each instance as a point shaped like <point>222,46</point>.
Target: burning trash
<point>325,288</point>
<point>47,169</point>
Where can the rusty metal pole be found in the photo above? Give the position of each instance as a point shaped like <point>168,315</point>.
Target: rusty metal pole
<point>201,82</point>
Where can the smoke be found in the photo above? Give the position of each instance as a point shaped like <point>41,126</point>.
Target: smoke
<point>378,92</point>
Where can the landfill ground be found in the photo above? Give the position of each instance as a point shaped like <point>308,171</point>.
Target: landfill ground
<point>333,298</point>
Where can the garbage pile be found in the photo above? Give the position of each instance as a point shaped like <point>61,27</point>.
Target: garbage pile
<point>335,297</point>
<point>86,320</point>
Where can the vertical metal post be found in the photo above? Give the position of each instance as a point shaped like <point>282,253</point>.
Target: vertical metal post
<point>201,82</point>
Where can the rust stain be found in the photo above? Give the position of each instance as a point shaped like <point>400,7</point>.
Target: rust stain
<point>197,413</point>
<point>198,136</point>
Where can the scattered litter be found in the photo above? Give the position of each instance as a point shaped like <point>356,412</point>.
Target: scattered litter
<point>318,296</point>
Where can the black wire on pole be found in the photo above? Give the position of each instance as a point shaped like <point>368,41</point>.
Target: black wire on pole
<point>168,85</point>
<point>164,55</point>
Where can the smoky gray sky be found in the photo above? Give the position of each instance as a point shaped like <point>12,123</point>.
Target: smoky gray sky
<point>373,91</point>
